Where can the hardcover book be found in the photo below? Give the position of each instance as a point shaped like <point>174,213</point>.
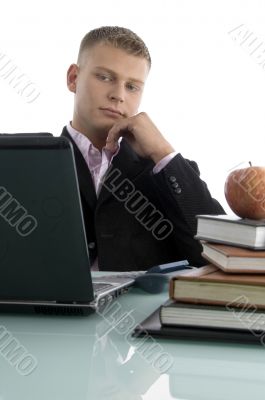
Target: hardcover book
<point>210,285</point>
<point>229,229</point>
<point>190,331</point>
<point>234,259</point>
<point>174,313</point>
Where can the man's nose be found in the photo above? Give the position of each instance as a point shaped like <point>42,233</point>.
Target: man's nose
<point>117,93</point>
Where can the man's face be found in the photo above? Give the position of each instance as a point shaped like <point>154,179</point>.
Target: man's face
<point>108,85</point>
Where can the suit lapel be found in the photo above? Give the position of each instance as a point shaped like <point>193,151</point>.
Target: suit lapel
<point>85,180</point>
<point>126,161</point>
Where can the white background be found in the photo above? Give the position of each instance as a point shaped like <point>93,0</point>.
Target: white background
<point>205,91</point>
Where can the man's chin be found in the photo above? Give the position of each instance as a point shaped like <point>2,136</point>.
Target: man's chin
<point>103,129</point>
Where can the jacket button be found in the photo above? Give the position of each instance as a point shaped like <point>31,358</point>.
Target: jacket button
<point>172,179</point>
<point>175,185</point>
<point>177,190</point>
<point>91,245</point>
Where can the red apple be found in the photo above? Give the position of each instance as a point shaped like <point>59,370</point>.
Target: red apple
<point>245,192</point>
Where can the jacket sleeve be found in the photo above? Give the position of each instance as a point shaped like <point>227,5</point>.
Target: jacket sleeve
<point>184,195</point>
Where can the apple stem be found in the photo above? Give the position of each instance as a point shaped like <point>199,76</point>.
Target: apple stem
<point>250,163</point>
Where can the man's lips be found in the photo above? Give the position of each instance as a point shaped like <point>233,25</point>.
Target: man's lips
<point>111,110</point>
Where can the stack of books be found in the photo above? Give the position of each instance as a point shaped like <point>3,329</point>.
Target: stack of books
<point>227,295</point>
<point>233,244</point>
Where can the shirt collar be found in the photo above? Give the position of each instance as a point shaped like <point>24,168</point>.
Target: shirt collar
<point>82,141</point>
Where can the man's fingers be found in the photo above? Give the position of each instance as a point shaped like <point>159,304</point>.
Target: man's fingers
<point>111,145</point>
<point>114,134</point>
<point>112,139</point>
<point>115,131</point>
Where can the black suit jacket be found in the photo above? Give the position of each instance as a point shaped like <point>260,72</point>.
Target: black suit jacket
<point>141,219</point>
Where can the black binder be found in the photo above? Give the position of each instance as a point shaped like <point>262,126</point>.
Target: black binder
<point>152,326</point>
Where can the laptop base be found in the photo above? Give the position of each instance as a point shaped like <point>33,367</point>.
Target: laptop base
<point>45,308</point>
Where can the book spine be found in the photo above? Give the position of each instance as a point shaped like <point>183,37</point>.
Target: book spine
<point>171,288</point>
<point>192,273</point>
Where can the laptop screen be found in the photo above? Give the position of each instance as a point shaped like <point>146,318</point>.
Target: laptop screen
<point>43,250</point>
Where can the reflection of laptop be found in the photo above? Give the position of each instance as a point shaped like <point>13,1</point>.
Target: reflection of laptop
<point>59,349</point>
<point>44,261</point>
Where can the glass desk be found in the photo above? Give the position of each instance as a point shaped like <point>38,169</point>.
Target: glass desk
<point>78,358</point>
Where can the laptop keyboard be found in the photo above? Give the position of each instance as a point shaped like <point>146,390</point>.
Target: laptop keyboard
<point>123,275</point>
<point>116,278</point>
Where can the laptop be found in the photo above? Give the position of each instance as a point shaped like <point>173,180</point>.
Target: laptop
<point>44,259</point>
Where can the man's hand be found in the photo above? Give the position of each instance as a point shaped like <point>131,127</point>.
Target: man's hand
<point>142,135</point>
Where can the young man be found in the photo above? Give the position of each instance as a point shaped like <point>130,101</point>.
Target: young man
<point>139,196</point>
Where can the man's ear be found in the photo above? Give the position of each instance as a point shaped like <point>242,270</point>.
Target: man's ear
<point>71,77</point>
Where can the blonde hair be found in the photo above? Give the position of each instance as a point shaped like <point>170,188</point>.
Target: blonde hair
<point>121,38</point>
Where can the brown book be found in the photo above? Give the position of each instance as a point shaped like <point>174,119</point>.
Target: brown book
<point>210,285</point>
<point>234,259</point>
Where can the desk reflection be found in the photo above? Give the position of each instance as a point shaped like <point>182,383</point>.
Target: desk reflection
<point>81,358</point>
<point>75,360</point>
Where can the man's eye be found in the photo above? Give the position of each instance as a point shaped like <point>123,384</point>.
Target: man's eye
<point>104,78</point>
<point>132,88</point>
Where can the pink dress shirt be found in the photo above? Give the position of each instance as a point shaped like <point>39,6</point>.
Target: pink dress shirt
<point>99,162</point>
